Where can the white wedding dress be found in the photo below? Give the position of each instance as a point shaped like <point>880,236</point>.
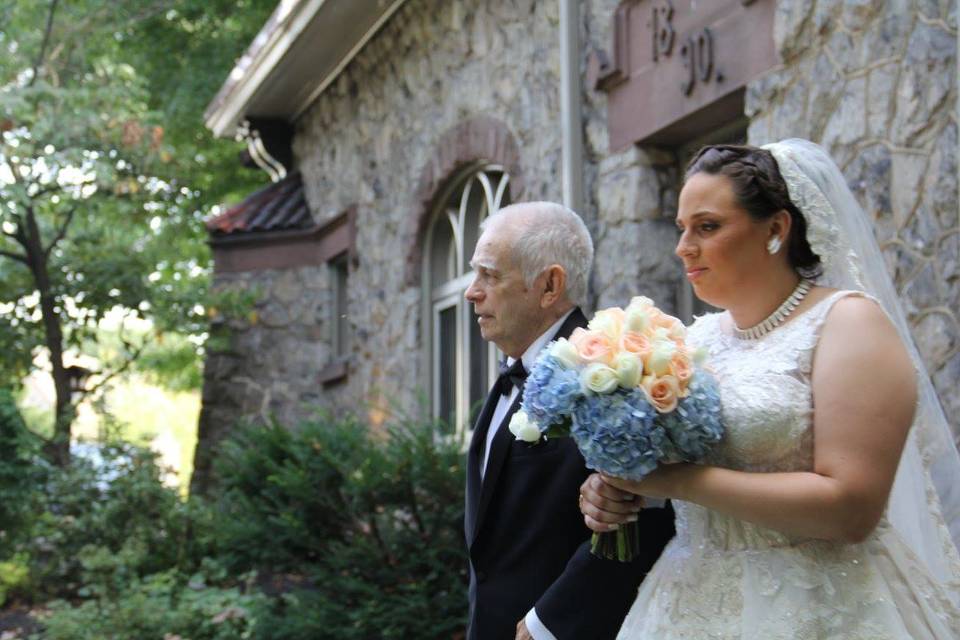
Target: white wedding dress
<point>722,577</point>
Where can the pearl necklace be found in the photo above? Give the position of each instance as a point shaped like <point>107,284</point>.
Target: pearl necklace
<point>776,318</point>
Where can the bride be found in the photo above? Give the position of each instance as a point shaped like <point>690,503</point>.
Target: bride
<point>822,514</point>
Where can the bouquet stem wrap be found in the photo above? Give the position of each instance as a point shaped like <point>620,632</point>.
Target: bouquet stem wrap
<point>622,545</point>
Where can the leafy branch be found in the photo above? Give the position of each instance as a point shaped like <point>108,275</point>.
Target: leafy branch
<point>46,41</point>
<point>61,233</point>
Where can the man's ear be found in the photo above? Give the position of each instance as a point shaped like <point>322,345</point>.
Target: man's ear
<point>554,286</point>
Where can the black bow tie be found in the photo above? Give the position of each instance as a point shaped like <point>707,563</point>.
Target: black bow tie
<point>511,376</point>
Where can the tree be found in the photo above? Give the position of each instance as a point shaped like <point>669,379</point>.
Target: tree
<point>100,210</point>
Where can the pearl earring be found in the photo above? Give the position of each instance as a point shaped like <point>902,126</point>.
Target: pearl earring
<point>774,245</point>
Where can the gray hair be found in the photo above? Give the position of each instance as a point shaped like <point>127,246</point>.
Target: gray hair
<point>547,233</point>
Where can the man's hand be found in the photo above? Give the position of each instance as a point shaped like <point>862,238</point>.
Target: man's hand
<point>522,632</point>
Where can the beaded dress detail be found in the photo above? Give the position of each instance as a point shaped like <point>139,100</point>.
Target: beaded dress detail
<point>722,577</point>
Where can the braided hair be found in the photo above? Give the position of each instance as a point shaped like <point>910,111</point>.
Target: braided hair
<point>761,191</point>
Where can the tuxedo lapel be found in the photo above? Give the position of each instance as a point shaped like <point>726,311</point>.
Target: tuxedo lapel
<point>474,462</point>
<point>479,492</point>
<point>498,455</point>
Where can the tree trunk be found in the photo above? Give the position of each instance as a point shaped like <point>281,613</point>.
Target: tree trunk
<point>58,448</point>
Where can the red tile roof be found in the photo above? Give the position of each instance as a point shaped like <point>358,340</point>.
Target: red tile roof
<point>280,206</point>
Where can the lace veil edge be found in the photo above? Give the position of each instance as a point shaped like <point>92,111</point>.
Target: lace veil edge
<point>924,505</point>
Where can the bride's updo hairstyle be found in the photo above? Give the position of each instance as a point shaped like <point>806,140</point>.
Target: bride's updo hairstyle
<point>760,190</point>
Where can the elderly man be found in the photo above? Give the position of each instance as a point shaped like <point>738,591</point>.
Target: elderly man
<point>531,571</point>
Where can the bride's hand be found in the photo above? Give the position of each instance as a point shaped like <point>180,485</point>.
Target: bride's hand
<point>662,482</point>
<point>605,507</point>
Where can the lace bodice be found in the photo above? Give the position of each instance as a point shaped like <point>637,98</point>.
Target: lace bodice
<point>767,411</point>
<point>722,577</point>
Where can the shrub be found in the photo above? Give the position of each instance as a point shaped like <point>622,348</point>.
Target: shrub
<point>375,522</point>
<point>157,607</point>
<point>326,531</point>
<point>106,521</point>
<point>21,471</point>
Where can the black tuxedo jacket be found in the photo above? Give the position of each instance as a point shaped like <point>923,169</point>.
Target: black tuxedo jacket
<point>528,545</point>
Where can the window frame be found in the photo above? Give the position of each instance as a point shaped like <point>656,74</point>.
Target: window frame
<point>441,296</point>
<point>337,251</point>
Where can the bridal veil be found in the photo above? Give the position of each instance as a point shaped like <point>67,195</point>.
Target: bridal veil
<point>924,505</point>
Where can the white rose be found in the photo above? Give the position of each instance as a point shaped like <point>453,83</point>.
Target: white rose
<point>608,321</point>
<point>700,355</point>
<point>566,353</point>
<point>598,378</point>
<point>661,353</point>
<point>640,302</point>
<point>660,333</point>
<point>523,428</point>
<point>637,319</point>
<point>629,369</point>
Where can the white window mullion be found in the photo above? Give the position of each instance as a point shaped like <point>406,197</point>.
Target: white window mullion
<point>464,206</point>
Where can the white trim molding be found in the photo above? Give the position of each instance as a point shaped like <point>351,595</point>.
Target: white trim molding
<point>301,49</point>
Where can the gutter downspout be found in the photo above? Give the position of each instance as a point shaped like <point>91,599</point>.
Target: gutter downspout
<point>570,105</point>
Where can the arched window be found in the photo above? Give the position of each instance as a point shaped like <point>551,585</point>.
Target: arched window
<point>462,364</point>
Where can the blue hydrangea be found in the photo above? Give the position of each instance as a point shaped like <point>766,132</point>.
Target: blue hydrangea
<point>619,433</point>
<point>551,392</point>
<point>695,427</point>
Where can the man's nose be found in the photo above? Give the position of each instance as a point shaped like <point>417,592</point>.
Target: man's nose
<point>472,294</point>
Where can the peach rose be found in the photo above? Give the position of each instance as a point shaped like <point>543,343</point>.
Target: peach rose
<point>635,343</point>
<point>674,329</point>
<point>663,392</point>
<point>592,346</point>
<point>681,368</point>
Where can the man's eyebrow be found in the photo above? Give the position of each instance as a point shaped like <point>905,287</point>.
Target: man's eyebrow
<point>476,265</point>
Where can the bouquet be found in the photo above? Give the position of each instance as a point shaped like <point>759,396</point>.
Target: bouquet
<point>631,393</point>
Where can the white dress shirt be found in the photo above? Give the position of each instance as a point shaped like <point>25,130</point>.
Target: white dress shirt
<point>503,405</point>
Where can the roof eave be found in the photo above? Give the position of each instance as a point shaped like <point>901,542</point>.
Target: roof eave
<point>301,49</point>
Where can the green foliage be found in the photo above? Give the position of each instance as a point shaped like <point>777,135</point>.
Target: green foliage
<point>172,363</point>
<point>106,521</point>
<point>14,576</point>
<point>374,520</point>
<point>106,173</point>
<point>332,530</point>
<point>20,472</point>
<point>157,607</point>
<point>200,41</point>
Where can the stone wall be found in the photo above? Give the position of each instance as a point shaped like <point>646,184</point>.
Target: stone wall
<point>631,196</point>
<point>436,65</point>
<point>373,134</point>
<point>263,363</point>
<point>875,82</point>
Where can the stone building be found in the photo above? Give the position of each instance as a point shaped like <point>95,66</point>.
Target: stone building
<point>399,125</point>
